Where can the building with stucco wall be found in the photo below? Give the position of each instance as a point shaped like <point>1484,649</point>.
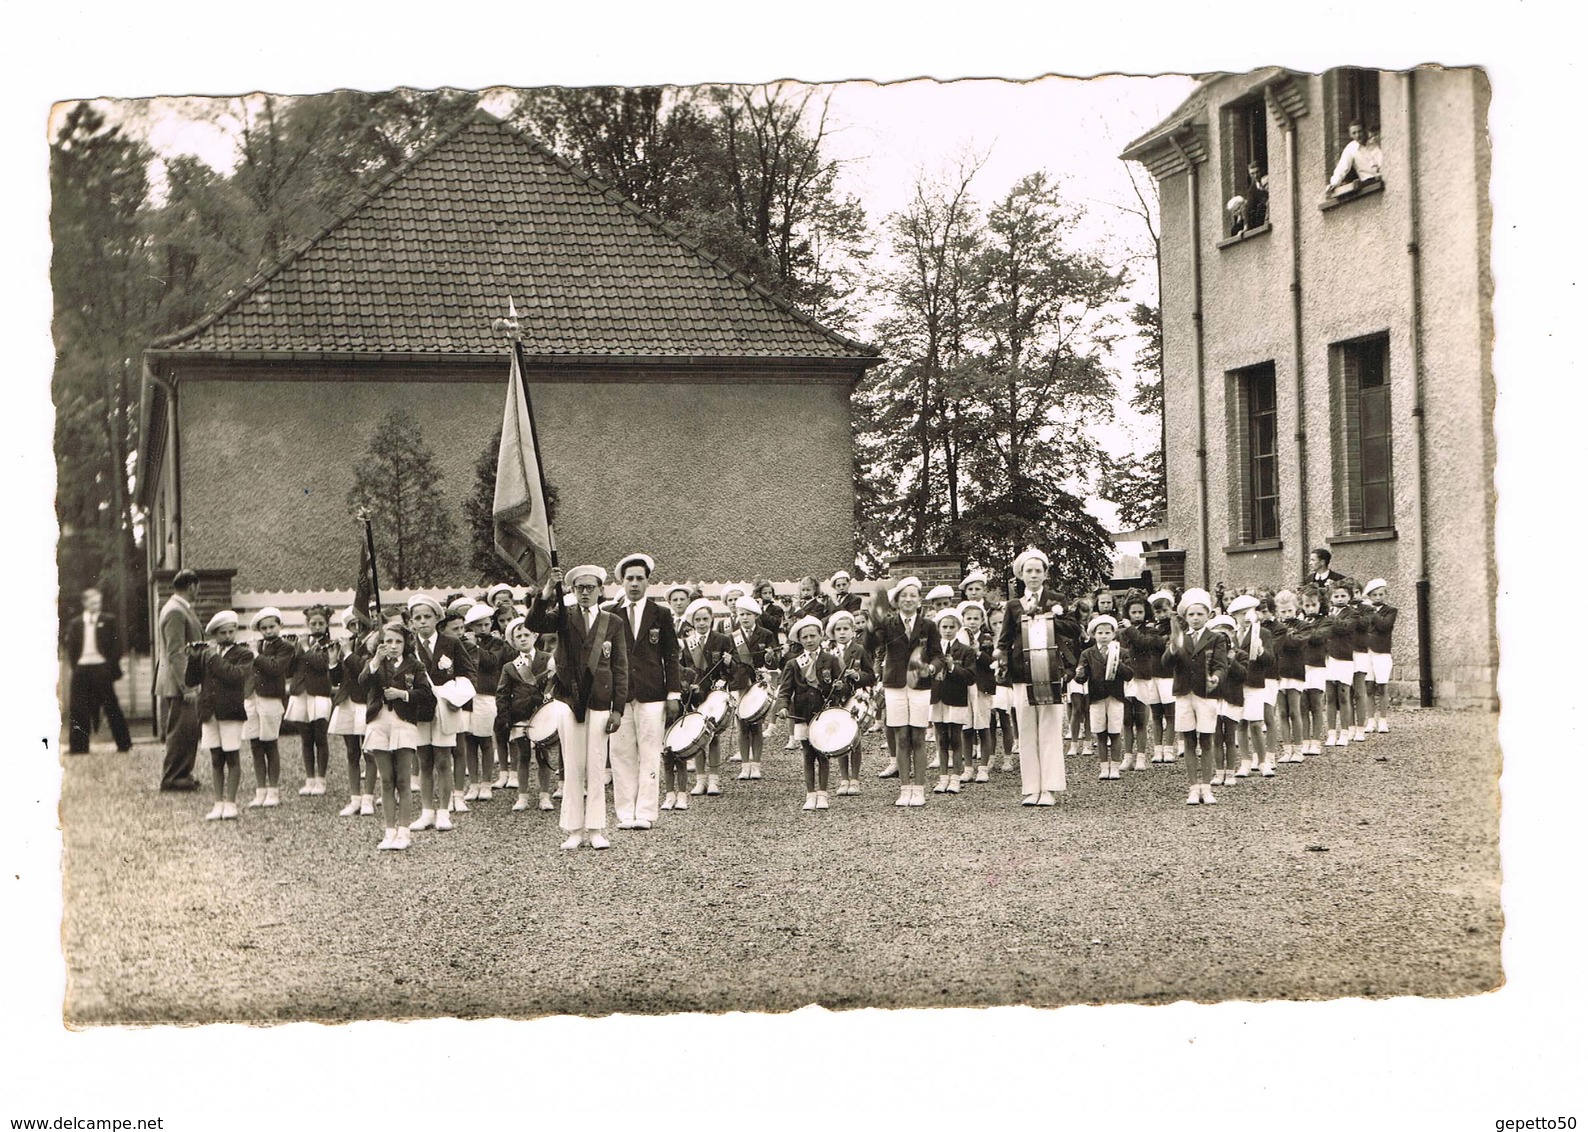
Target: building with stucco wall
<point>1327,370</point>
<point>682,409</point>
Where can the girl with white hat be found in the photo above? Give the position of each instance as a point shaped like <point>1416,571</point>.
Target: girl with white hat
<point>266,706</point>
<point>221,668</point>
<point>1103,670</point>
<point>952,680</point>
<point>705,665</point>
<point>1197,658</point>
<point>397,694</point>
<point>311,688</point>
<point>855,660</point>
<point>348,714</point>
<point>910,651</point>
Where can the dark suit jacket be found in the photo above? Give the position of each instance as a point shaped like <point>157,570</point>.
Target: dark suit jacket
<point>762,650</point>
<point>653,655</point>
<point>409,675</point>
<point>805,697</point>
<point>106,636</point>
<point>1334,576</point>
<point>222,681</point>
<point>852,602</point>
<point>520,694</point>
<point>1066,634</point>
<point>893,646</point>
<point>462,662</point>
<point>592,670</point>
<point>1191,667</point>
<point>693,670</point>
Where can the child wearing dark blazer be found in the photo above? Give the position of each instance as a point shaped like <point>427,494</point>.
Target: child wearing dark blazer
<point>522,688</point>
<point>909,650</point>
<point>754,650</point>
<point>265,707</point>
<point>221,669</point>
<point>855,660</point>
<point>705,666</point>
<point>1197,658</point>
<point>811,681</point>
<point>1231,696</point>
<point>1103,670</point>
<point>397,698</point>
<point>1381,629</point>
<point>310,693</point>
<point>1256,646</point>
<point>983,687</point>
<point>348,713</point>
<point>953,676</point>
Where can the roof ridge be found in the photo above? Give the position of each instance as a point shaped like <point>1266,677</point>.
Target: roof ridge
<point>300,247</point>
<point>690,243</point>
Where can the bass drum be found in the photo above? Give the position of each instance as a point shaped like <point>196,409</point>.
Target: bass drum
<point>834,732</point>
<point>755,704</point>
<point>689,736</point>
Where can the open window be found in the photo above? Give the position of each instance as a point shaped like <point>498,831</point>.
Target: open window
<point>1353,155</point>
<point>1245,148</point>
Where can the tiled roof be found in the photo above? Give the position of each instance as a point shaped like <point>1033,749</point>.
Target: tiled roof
<point>426,260</point>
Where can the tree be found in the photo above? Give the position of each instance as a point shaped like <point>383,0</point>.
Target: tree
<point>478,509</point>
<point>1137,482</point>
<point>104,298</point>
<point>399,485</point>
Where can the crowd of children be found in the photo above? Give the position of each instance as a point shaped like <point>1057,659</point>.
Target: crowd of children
<point>454,699</point>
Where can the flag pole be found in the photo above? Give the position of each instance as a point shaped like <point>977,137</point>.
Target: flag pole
<point>374,567</point>
<point>515,334</point>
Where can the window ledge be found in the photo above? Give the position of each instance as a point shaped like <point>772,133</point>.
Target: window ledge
<point>1365,536</point>
<point>1250,233</point>
<point>1350,191</point>
<point>1254,547</point>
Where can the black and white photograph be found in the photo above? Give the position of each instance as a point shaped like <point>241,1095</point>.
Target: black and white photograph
<point>732,589</point>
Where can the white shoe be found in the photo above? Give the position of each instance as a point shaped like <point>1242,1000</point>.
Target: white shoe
<point>1029,800</point>
<point>1245,770</point>
<point>904,796</point>
<point>891,770</point>
<point>598,841</point>
<point>934,763</point>
<point>259,799</point>
<point>443,821</point>
<point>403,840</point>
<point>1218,778</point>
<point>1332,739</point>
<point>1045,798</point>
<point>713,785</point>
<point>229,811</point>
<point>744,772</point>
<point>735,757</point>
<point>683,802</point>
<point>307,788</point>
<point>458,804</point>
<point>640,823</point>
<point>1008,766</point>
<point>557,793</point>
<point>918,795</point>
<point>793,744</point>
<point>1207,796</point>
<point>366,805</point>
<point>545,801</point>
<point>1266,769</point>
<point>1141,760</point>
<point>942,785</point>
<point>699,788</point>
<point>510,781</point>
<point>389,841</point>
<point>810,802</point>
<point>626,824</point>
<point>1383,725</point>
<point>755,770</point>
<point>350,810</point>
<point>484,795</point>
<point>471,794</point>
<point>319,786</point>
<point>574,841</point>
<point>981,774</point>
<point>1113,772</point>
<point>425,820</point>
<point>272,797</point>
<point>667,802</point>
<point>1360,735</point>
<point>821,799</point>
<point>1194,798</point>
<point>953,784</point>
<point>217,812</point>
<point>521,803</point>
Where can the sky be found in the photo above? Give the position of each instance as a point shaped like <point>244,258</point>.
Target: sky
<point>1297,1066</point>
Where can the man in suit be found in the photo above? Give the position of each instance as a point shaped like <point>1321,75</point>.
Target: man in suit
<point>592,679</point>
<point>1318,572</point>
<point>93,648</point>
<point>178,626</point>
<point>654,696</point>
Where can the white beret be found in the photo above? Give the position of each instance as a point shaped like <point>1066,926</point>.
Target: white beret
<point>1222,621</point>
<point>1376,584</point>
<point>644,560</point>
<point>596,572</point>
<point>973,576</point>
<point>225,619</point>
<point>1240,604</point>
<point>802,624</point>
<point>347,616</point>
<point>1196,597</point>
<point>1026,555</point>
<point>695,607</point>
<point>840,615</point>
<point>679,590</point>
<point>499,588</point>
<point>938,593</point>
<point>515,623</point>
<point>1162,595</point>
<point>1101,619</point>
<point>844,574</point>
<point>479,611</point>
<point>964,605</point>
<point>947,613</point>
<point>902,584</point>
<point>265,613</point>
<point>747,605</point>
<point>425,599</point>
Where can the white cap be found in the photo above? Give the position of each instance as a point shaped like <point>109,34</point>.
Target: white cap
<point>1222,621</point>
<point>222,620</point>
<point>802,624</point>
<point>499,588</point>
<point>1196,597</point>
<point>970,604</point>
<point>1240,604</point>
<point>1029,553</point>
<point>840,615</point>
<point>644,560</point>
<point>1161,595</point>
<point>973,576</point>
<point>902,583</point>
<point>844,574</point>
<point>747,605</point>
<point>695,607</point>
<point>586,571</point>
<point>1101,619</point>
<point>267,612</point>
<point>347,616</point>
<point>948,612</point>
<point>513,624</point>
<point>478,612</point>
<point>938,593</point>
<point>1375,584</point>
<point>425,599</point>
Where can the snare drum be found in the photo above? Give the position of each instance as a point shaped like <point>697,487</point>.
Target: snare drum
<point>859,706</point>
<point>755,704</point>
<point>715,707</point>
<point>544,723</point>
<point>689,736</point>
<point>834,732</point>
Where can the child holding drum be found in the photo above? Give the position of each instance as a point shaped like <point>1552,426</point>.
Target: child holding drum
<point>705,666</point>
<point>521,691</point>
<point>752,648</point>
<point>855,660</point>
<point>811,681</point>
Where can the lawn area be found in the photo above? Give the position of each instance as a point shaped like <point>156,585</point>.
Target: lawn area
<point>1344,876</point>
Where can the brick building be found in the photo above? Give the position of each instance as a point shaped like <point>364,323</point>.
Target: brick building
<point>670,392</point>
<point>1328,377</point>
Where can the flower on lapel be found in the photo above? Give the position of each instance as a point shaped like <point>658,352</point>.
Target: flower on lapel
<point>606,650</point>
<point>445,663</point>
<point>656,636</point>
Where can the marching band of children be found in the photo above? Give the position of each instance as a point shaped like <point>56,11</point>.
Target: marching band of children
<point>1239,690</point>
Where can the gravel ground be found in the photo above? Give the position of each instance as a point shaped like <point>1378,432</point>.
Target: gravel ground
<point>1344,876</point>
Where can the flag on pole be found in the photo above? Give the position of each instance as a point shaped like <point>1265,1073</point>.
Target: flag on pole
<point>366,595</point>
<point>521,524</point>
